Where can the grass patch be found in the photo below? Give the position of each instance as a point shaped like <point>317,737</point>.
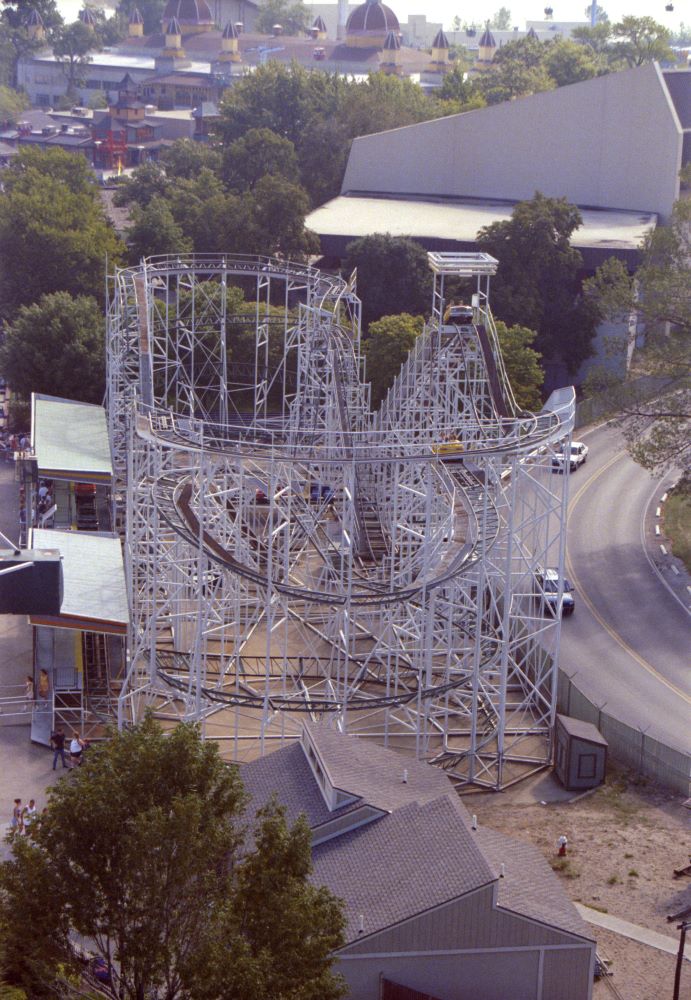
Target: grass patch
<point>633,873</point>
<point>613,880</point>
<point>628,856</point>
<point>600,909</point>
<point>678,523</point>
<point>564,867</point>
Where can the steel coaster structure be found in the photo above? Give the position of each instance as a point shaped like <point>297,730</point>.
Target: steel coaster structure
<point>292,554</point>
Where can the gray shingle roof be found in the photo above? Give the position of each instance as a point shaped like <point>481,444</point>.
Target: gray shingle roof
<point>421,853</point>
<point>374,773</point>
<point>529,885</point>
<point>417,858</point>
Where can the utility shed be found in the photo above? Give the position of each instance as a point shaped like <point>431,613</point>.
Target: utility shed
<point>581,753</point>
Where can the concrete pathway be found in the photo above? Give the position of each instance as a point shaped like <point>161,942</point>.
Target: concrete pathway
<point>661,942</point>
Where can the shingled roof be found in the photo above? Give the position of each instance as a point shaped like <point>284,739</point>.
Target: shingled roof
<point>406,812</point>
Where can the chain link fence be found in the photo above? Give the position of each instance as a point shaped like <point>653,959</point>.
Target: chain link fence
<point>628,745</point>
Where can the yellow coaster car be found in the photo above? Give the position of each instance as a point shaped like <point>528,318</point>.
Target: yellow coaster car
<point>448,450</point>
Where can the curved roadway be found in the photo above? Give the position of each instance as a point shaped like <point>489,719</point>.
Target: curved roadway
<point>628,645</point>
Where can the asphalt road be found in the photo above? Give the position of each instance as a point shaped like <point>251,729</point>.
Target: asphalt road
<point>628,644</point>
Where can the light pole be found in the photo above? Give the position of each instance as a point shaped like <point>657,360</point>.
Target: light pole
<point>683,927</point>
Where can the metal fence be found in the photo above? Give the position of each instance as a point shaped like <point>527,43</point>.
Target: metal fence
<point>628,745</point>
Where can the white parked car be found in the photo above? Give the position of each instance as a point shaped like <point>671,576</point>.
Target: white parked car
<point>577,456</point>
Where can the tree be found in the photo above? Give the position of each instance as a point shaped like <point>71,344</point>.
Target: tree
<point>71,49</point>
<point>456,87</point>
<point>517,70</point>
<point>186,157</point>
<point>600,13</point>
<point>393,276</point>
<point>522,364</point>
<point>538,282</point>
<point>151,11</point>
<point>54,235</point>
<point>141,852</point>
<point>259,153</point>
<point>639,40</point>
<point>155,231</point>
<point>501,20</point>
<point>388,344</point>
<point>279,216</point>
<point>292,16</point>
<point>147,181</point>
<point>14,37</point>
<point>56,346</point>
<point>597,38</point>
<point>568,62</point>
<point>657,430</point>
<point>12,104</point>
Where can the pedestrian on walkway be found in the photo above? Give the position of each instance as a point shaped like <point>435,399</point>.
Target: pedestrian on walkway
<point>561,846</point>
<point>57,742</point>
<point>28,817</point>
<point>16,821</point>
<point>43,684</point>
<point>76,747</point>
<point>29,690</point>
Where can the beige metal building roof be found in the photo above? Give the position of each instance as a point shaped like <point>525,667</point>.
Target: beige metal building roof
<point>95,596</point>
<point>70,440</point>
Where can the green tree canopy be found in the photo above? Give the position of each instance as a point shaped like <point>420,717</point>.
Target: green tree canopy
<point>71,48</point>
<point>570,62</point>
<point>14,37</point>
<point>186,157</point>
<point>292,15</point>
<point>141,852</point>
<point>54,235</point>
<point>639,40</point>
<point>56,346</point>
<point>146,182</point>
<point>393,276</point>
<point>501,20</point>
<point>151,11</point>
<point>522,365</point>
<point>657,430</point>
<point>259,153</point>
<point>155,231</point>
<point>389,341</point>
<point>12,104</point>
<point>538,283</point>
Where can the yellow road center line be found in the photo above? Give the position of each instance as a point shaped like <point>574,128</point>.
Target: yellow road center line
<point>591,607</point>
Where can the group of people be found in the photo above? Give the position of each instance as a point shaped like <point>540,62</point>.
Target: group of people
<point>22,818</point>
<point>45,496</point>
<point>31,693</point>
<point>11,443</point>
<point>77,746</point>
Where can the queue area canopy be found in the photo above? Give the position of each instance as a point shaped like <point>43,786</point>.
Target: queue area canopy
<point>95,595</point>
<point>70,440</point>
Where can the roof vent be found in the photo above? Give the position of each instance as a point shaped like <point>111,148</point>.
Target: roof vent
<point>474,822</point>
<point>361,924</point>
<point>502,870</point>
<point>405,776</point>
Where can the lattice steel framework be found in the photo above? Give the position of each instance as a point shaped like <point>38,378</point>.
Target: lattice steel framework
<point>291,553</point>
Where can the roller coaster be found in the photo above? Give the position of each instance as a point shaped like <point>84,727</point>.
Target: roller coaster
<point>292,553</point>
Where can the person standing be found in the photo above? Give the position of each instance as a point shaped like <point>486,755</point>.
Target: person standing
<point>16,821</point>
<point>43,684</point>
<point>28,817</point>
<point>29,690</point>
<point>76,748</point>
<point>57,742</point>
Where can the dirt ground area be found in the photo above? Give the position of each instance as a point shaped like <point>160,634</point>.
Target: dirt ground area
<point>625,840</point>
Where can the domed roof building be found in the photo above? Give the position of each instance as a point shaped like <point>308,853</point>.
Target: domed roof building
<point>369,24</point>
<point>192,15</point>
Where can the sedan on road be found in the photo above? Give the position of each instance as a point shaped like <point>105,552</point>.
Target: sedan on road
<point>576,457</point>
